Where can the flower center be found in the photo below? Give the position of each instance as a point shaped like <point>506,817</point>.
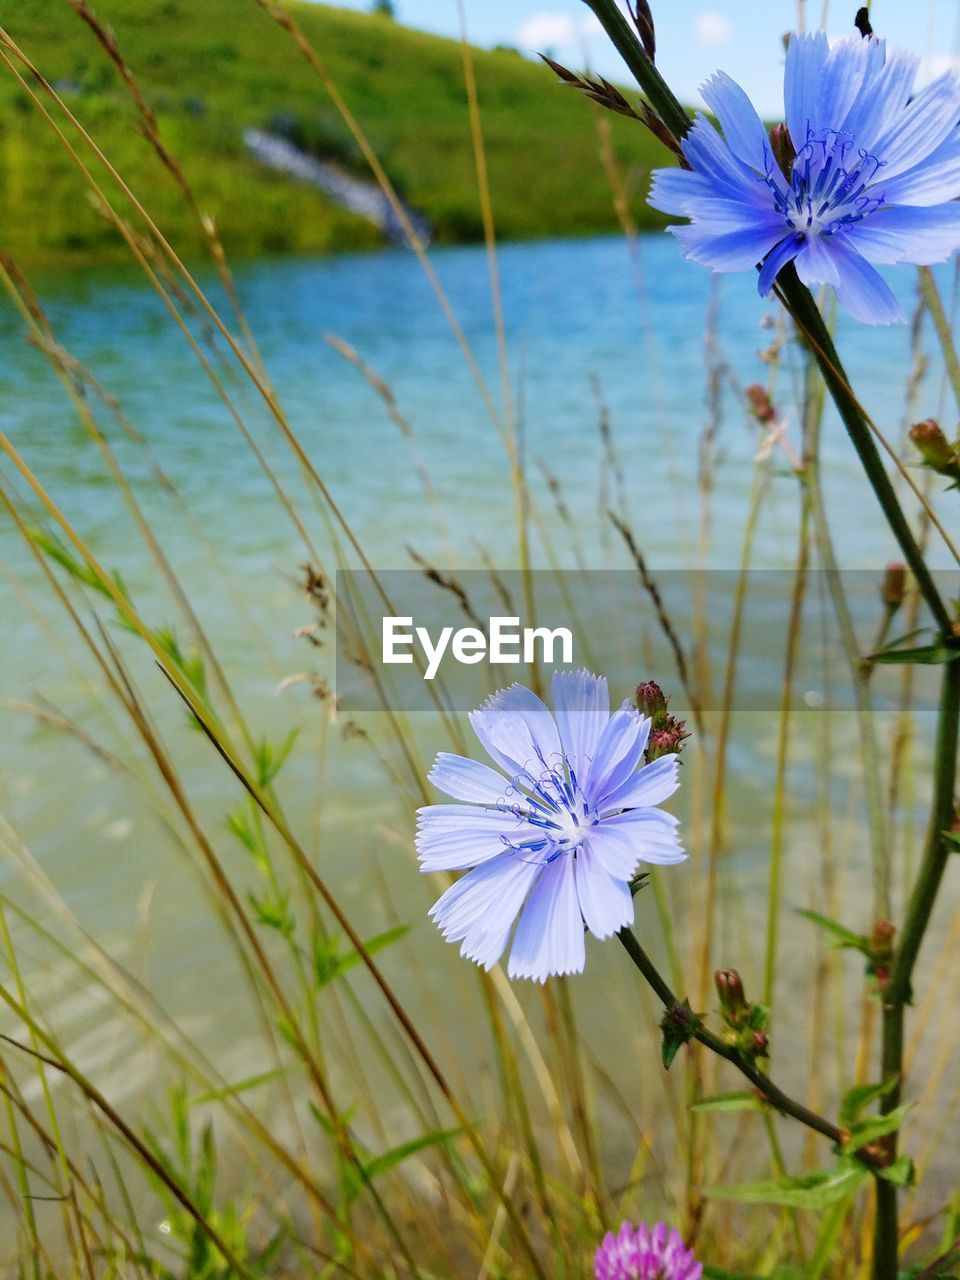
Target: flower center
<point>550,799</point>
<point>831,185</point>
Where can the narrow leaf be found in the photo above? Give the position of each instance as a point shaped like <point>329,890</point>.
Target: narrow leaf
<point>745,1101</point>
<point>809,1191</point>
<point>857,1099</point>
<point>845,937</point>
<point>875,1127</point>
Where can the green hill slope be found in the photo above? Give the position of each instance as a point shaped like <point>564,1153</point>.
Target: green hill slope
<point>210,68</point>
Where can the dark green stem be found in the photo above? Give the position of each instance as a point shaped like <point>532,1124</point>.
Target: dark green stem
<point>805,312</point>
<point>773,1094</point>
<point>798,301</point>
<point>801,306</point>
<point>919,909</point>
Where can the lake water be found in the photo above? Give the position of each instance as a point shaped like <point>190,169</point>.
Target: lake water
<point>579,316</point>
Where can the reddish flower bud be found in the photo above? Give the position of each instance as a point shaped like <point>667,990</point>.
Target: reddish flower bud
<point>667,733</point>
<point>760,404</point>
<point>935,449</point>
<point>881,936</point>
<point>666,741</point>
<point>733,1002</point>
<point>894,585</point>
<point>760,1043</point>
<point>651,700</point>
<point>783,149</point>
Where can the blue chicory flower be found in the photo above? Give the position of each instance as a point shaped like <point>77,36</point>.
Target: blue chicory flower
<point>873,182</point>
<point>556,837</point>
<point>644,1254</point>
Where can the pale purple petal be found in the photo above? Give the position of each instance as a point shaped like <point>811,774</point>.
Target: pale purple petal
<point>605,901</point>
<point>453,836</point>
<point>621,843</point>
<point>517,730</point>
<point>619,751</point>
<point>537,843</point>
<point>653,784</point>
<point>549,937</point>
<point>466,779</point>
<point>581,705</point>
<point>481,907</point>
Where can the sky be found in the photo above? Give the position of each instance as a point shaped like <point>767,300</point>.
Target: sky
<point>694,37</point>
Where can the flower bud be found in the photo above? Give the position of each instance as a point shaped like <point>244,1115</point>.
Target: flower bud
<point>894,585</point>
<point>651,700</point>
<point>733,1002</point>
<point>881,953</point>
<point>760,404</point>
<point>881,937</point>
<point>667,733</point>
<point>666,741</point>
<point>759,1044</point>
<point>783,149</point>
<point>935,449</point>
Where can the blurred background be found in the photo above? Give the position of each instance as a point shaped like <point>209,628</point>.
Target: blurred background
<point>544,327</point>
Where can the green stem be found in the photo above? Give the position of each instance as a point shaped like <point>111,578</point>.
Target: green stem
<point>798,301</point>
<point>919,910</point>
<point>934,304</point>
<point>802,307</point>
<point>938,847</point>
<point>796,297</point>
<point>860,678</point>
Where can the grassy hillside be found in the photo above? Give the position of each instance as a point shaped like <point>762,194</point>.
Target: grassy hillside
<point>211,67</point>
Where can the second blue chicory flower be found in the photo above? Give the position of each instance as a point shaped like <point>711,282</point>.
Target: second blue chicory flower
<point>555,833</point>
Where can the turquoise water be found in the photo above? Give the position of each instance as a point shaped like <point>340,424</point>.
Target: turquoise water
<point>579,317</point>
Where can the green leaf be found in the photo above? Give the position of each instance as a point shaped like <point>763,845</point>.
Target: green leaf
<point>745,1101</point>
<point>271,760</point>
<point>78,569</point>
<point>901,1173</point>
<point>809,1191</point>
<point>329,963</point>
<point>678,1026</point>
<point>874,1127</point>
<point>858,1098</point>
<point>242,1086</point>
<point>273,911</point>
<point>927,655</point>
<point>845,937</point>
<point>379,1165</point>
<point>903,642</point>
